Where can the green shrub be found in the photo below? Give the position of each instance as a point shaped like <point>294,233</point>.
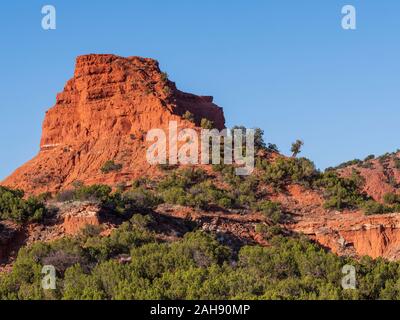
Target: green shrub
<point>174,195</point>
<point>358,179</point>
<point>164,77</point>
<point>397,163</point>
<point>271,210</point>
<point>268,232</point>
<point>183,178</point>
<point>284,171</point>
<point>242,191</point>
<point>296,147</point>
<point>192,187</point>
<point>384,158</point>
<point>196,266</point>
<point>366,165</point>
<point>136,199</point>
<point>188,116</point>
<point>167,167</point>
<point>95,192</point>
<point>110,166</point>
<point>370,157</point>
<point>391,198</point>
<point>202,196</point>
<point>259,142</point>
<point>65,195</point>
<point>349,163</point>
<point>272,147</point>
<point>167,90</point>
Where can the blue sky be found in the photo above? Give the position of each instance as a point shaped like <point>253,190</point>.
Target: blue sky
<point>285,66</point>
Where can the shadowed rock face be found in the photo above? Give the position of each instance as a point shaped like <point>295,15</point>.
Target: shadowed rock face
<point>103,114</point>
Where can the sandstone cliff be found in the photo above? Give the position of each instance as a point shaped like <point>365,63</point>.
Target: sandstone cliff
<point>104,113</point>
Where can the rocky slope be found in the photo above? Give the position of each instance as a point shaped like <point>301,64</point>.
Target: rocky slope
<point>381,175</point>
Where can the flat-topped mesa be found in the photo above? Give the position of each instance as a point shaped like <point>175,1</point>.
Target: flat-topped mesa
<point>103,114</point>
<point>119,93</point>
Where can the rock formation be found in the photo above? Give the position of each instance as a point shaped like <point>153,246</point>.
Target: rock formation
<point>103,114</point>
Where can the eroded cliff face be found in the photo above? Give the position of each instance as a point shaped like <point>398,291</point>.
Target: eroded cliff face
<point>354,234</point>
<point>103,114</point>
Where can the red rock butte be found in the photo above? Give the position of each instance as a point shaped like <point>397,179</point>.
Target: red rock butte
<point>104,113</point>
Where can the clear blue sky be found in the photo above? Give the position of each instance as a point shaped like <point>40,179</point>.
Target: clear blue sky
<point>285,66</point>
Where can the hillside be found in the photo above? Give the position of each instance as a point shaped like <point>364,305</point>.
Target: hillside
<point>103,114</point>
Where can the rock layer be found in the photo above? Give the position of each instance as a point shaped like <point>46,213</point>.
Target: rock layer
<point>380,175</point>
